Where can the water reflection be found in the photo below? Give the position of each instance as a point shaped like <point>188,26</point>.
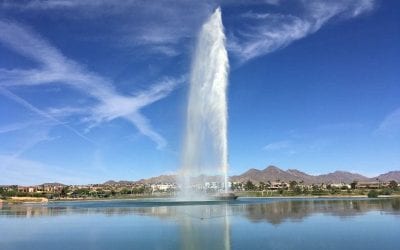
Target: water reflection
<point>208,225</point>
<point>269,210</point>
<point>204,227</point>
<point>297,210</point>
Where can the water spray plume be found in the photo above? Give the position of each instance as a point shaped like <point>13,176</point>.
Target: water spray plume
<point>205,149</point>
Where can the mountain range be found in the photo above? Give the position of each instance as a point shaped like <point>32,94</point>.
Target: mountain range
<point>273,174</point>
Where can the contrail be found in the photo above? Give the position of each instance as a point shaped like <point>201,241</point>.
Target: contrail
<point>32,108</point>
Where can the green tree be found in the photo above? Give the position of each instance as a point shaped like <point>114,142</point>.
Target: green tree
<point>249,186</point>
<point>82,192</point>
<point>64,191</point>
<point>393,185</point>
<point>293,185</point>
<point>297,190</point>
<point>138,190</point>
<point>126,191</point>
<point>237,186</point>
<point>3,192</point>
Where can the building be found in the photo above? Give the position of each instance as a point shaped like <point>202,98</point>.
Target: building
<point>340,185</point>
<point>278,185</point>
<point>369,184</point>
<point>23,189</point>
<point>162,187</point>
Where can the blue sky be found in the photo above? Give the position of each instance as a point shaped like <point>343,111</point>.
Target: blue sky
<point>96,90</point>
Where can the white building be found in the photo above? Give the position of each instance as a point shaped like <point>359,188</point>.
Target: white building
<point>162,187</point>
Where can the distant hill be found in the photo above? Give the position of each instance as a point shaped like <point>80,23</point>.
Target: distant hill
<point>53,184</point>
<point>273,174</point>
<point>270,173</point>
<point>111,182</point>
<point>392,175</point>
<point>173,179</point>
<point>340,176</point>
<point>159,179</point>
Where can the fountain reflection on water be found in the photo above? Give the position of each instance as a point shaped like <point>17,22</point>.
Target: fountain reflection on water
<point>205,150</point>
<point>195,220</point>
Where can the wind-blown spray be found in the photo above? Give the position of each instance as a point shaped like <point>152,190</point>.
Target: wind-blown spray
<point>205,150</point>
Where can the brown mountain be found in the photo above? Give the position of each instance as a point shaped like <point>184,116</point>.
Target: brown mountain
<point>270,173</point>
<point>306,178</point>
<point>273,174</point>
<point>112,183</point>
<point>339,177</point>
<point>173,179</point>
<point>159,179</point>
<point>52,184</point>
<point>390,176</point>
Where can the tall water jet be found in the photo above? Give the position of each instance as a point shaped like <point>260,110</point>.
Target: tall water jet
<point>205,149</point>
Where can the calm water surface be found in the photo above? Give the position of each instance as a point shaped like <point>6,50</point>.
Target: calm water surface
<point>242,224</point>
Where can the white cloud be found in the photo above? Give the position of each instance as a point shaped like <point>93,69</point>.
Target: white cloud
<point>390,124</point>
<point>66,111</point>
<point>35,137</point>
<point>279,145</point>
<point>17,126</point>
<point>157,26</point>
<point>41,113</point>
<point>56,68</point>
<point>267,32</point>
<point>161,26</point>
<point>26,135</point>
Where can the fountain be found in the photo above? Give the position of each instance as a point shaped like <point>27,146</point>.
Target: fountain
<point>205,151</point>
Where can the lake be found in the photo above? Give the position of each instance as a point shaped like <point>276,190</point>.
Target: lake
<point>247,223</point>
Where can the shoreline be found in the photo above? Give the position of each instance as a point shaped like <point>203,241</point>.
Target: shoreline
<point>26,200</point>
<point>321,197</point>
